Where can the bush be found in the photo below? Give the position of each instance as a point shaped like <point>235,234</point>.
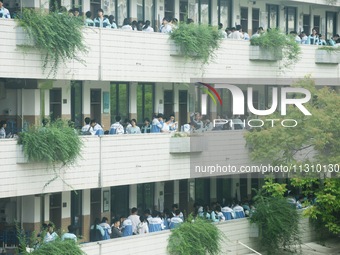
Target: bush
<point>57,143</point>
<point>197,41</point>
<point>273,40</point>
<point>278,222</point>
<point>199,237</point>
<point>56,35</point>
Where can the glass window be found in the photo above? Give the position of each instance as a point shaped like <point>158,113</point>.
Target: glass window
<point>183,10</point>
<point>149,11</point>
<point>169,6</point>
<point>306,23</point>
<point>193,10</point>
<point>140,12</point>
<point>290,19</point>
<point>223,12</point>
<point>316,22</point>
<point>76,103</point>
<point>122,11</point>
<point>55,103</point>
<point>145,101</point>
<point>330,24</point>
<point>244,19</point>
<point>109,7</point>
<point>255,19</point>
<point>119,100</point>
<point>205,11</point>
<point>273,15</point>
<point>145,196</point>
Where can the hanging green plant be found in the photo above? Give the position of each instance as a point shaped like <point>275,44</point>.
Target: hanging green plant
<point>197,42</point>
<point>54,144</point>
<point>199,237</point>
<point>56,35</point>
<point>279,44</point>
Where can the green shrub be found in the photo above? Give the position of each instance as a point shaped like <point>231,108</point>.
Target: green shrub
<point>197,41</point>
<point>199,237</point>
<point>56,35</point>
<point>278,222</point>
<point>273,40</point>
<point>53,144</point>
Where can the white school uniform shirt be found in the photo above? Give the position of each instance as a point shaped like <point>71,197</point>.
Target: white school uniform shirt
<point>156,224</point>
<point>135,221</point>
<point>5,13</point>
<point>148,29</point>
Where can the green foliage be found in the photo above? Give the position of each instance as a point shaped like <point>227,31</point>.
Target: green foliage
<point>278,222</point>
<point>56,247</point>
<point>280,145</point>
<point>326,211</point>
<point>320,133</point>
<point>273,40</point>
<point>274,189</point>
<point>56,35</point>
<point>199,237</point>
<point>196,41</point>
<point>57,143</point>
<point>330,49</point>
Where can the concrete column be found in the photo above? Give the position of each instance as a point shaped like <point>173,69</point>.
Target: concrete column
<point>249,186</point>
<point>176,192</point>
<point>47,208</point>
<point>213,189</point>
<point>86,209</point>
<point>31,213</point>
<point>31,106</point>
<point>133,196</point>
<point>133,100</point>
<point>65,210</point>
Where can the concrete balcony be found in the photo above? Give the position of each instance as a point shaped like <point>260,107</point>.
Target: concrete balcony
<point>114,160</point>
<point>116,55</point>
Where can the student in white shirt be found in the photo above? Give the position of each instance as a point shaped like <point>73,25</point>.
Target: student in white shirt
<point>147,27</point>
<point>70,235</point>
<point>142,227</point>
<point>4,13</point>
<point>134,219</point>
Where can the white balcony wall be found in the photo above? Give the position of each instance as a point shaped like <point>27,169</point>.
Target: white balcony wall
<point>119,160</point>
<point>156,243</point>
<point>116,55</point>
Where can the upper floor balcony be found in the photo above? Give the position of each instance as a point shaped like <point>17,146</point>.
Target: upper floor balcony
<point>116,55</point>
<point>113,160</point>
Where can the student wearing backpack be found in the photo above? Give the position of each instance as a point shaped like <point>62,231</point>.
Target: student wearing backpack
<point>96,231</point>
<point>117,128</point>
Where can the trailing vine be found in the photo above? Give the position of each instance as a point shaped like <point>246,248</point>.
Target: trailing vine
<point>199,237</point>
<point>54,144</point>
<point>274,40</point>
<point>196,41</point>
<point>56,35</point>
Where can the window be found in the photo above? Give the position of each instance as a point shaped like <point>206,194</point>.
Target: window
<point>290,19</point>
<point>316,24</point>
<point>119,100</point>
<point>169,7</point>
<point>96,104</point>
<point>168,102</point>
<point>122,11</point>
<point>145,10</point>
<point>273,15</point>
<point>244,18</point>
<point>55,104</point>
<point>255,20</point>
<point>145,101</point>
<point>145,196</point>
<point>76,103</point>
<point>197,10</point>
<point>306,24</point>
<point>223,12</point>
<point>330,24</point>
<point>205,17</point>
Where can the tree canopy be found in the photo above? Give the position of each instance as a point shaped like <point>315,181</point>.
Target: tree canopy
<point>311,150</point>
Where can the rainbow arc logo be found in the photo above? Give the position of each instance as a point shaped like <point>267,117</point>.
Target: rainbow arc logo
<point>210,90</point>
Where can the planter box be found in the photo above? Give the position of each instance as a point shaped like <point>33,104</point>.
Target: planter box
<point>176,51</point>
<point>327,57</point>
<point>262,54</point>
<point>22,38</point>
<point>186,144</point>
<point>21,159</point>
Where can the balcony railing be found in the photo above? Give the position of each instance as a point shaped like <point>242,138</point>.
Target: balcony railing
<point>116,55</point>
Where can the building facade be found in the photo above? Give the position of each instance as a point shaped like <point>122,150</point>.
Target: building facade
<point>136,74</point>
